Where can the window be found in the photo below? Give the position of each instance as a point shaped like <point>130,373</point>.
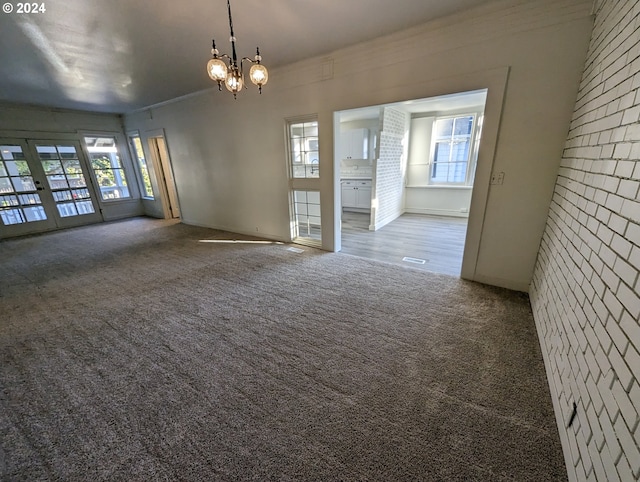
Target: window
<point>306,209</point>
<point>107,167</point>
<point>303,142</point>
<point>138,152</point>
<point>451,150</point>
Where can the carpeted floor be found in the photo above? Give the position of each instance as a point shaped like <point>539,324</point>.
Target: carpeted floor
<point>131,351</point>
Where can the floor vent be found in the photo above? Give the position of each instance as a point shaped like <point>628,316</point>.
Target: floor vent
<point>414,260</point>
<point>295,250</point>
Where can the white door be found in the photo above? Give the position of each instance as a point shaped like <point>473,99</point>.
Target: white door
<point>44,185</point>
<point>166,181</point>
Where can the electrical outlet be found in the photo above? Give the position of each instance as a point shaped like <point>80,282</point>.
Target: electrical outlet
<point>497,178</point>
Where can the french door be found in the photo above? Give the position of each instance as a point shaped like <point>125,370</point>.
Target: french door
<point>44,185</point>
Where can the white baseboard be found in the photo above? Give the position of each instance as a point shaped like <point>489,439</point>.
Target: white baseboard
<point>438,212</point>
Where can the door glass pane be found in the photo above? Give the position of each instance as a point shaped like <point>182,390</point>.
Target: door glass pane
<point>5,185</point>
<point>306,208</point>
<point>108,168</point>
<point>67,209</point>
<point>23,184</point>
<point>8,201</point>
<point>35,213</point>
<point>15,177</point>
<point>12,216</point>
<point>64,176</point>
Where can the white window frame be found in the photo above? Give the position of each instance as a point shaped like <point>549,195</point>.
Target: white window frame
<point>471,159</point>
<point>137,168</point>
<point>125,165</point>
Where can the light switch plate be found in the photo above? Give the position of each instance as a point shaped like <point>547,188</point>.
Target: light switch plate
<point>497,178</point>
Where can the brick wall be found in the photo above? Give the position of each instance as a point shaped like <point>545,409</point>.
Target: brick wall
<point>390,165</point>
<point>585,291</point>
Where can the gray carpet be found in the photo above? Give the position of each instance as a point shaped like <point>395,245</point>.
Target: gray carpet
<point>130,351</point>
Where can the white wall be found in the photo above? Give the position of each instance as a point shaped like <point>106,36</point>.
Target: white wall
<point>229,156</point>
<point>438,201</point>
<point>586,287</point>
<point>40,123</point>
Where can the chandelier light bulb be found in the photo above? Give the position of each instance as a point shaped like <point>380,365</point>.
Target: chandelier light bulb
<point>234,82</point>
<point>259,74</point>
<point>217,70</point>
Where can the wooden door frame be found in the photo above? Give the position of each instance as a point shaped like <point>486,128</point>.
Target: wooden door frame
<point>164,174</point>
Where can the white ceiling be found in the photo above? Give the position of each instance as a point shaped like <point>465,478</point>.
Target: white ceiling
<point>121,55</point>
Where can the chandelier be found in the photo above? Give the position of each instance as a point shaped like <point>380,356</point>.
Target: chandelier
<point>232,74</point>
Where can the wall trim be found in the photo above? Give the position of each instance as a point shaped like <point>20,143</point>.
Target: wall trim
<point>437,212</point>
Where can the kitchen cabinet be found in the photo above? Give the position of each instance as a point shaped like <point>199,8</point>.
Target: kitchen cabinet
<point>356,194</point>
<point>354,144</point>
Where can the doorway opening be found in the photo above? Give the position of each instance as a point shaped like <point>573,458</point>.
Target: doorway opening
<point>406,173</point>
<point>165,178</point>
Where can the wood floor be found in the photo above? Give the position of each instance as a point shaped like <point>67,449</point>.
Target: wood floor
<point>439,241</point>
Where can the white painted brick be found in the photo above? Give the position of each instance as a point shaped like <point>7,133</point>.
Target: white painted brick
<point>610,404</point>
<point>612,442</point>
<point>628,188</point>
<point>608,166</point>
<point>590,255</point>
<point>632,133</point>
<point>625,380</point>
<point>607,255</point>
<point>629,300</point>
<point>631,115</point>
<point>624,469</point>
<point>622,151</point>
<point>631,210</point>
<point>618,336</point>
<point>634,396</point>
<point>635,153</point>
<point>610,468</point>
<point>603,214</point>
<point>596,400</point>
<point>611,184</point>
<point>614,202</point>
<point>625,271</point>
<point>610,279</point>
<point>584,453</point>
<point>618,223</point>
<point>621,246</point>
<point>632,357</point>
<point>634,257</point>
<point>627,100</point>
<point>607,151</point>
<point>598,467</point>
<point>617,134</point>
<point>612,303</point>
<point>632,454</point>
